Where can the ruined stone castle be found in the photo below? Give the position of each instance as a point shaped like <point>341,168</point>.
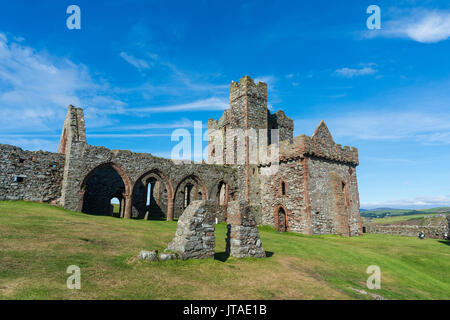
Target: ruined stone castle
<point>313,190</point>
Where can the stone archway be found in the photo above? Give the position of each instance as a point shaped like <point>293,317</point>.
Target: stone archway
<point>153,195</point>
<point>189,189</point>
<point>100,185</point>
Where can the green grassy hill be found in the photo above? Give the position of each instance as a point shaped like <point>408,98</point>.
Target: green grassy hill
<point>38,242</point>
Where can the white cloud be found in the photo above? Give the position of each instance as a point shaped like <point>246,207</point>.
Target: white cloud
<point>353,72</point>
<point>269,80</point>
<point>199,105</point>
<point>183,123</point>
<point>36,88</point>
<point>417,202</point>
<point>424,127</point>
<point>423,26</point>
<point>31,143</point>
<point>139,64</point>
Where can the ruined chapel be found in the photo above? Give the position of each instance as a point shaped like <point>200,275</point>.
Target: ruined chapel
<point>313,191</point>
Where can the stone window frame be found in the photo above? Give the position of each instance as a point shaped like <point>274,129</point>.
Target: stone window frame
<point>19,179</point>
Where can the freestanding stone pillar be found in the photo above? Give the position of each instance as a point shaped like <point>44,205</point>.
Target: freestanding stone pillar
<point>244,234</point>
<point>194,238</point>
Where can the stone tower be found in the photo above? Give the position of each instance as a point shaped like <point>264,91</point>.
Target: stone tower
<point>242,129</point>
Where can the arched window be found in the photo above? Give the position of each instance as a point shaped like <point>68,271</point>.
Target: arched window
<point>223,194</point>
<point>187,194</point>
<point>283,188</point>
<point>281,222</point>
<point>150,187</point>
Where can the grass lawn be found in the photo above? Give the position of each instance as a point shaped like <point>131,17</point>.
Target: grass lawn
<point>38,242</point>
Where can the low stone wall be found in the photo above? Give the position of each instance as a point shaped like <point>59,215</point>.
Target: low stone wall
<point>194,238</point>
<point>244,240</point>
<point>435,227</point>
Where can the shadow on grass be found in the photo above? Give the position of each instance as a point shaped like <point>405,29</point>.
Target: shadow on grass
<point>157,218</point>
<point>447,242</point>
<point>223,256</point>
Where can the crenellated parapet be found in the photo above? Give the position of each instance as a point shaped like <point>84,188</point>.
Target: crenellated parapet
<point>308,146</point>
<point>320,144</point>
<point>246,86</point>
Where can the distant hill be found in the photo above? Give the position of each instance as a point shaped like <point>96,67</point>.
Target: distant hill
<point>379,213</point>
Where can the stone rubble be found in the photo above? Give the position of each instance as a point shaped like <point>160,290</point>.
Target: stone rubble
<point>149,255</point>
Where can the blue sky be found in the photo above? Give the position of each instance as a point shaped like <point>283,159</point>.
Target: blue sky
<point>141,69</point>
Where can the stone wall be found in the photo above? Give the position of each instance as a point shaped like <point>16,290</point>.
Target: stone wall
<point>333,197</point>
<point>435,227</point>
<point>30,175</point>
<point>292,202</point>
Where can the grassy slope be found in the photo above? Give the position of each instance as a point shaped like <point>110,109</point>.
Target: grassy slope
<point>38,242</point>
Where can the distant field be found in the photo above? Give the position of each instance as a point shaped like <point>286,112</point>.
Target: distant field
<point>38,242</point>
<point>416,218</point>
<point>389,213</point>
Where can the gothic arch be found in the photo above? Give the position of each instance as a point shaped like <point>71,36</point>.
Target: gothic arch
<point>153,175</point>
<point>284,225</point>
<point>117,181</point>
<point>190,188</point>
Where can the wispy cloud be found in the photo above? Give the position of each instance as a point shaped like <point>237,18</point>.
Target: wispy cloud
<point>128,135</point>
<point>355,72</point>
<point>36,88</point>
<point>210,104</point>
<point>183,123</point>
<point>269,80</point>
<point>417,202</point>
<point>421,25</point>
<point>417,113</point>
<point>401,125</point>
<point>31,143</point>
<point>139,64</point>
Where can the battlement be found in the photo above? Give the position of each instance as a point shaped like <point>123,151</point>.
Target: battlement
<point>249,84</point>
<point>320,144</point>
